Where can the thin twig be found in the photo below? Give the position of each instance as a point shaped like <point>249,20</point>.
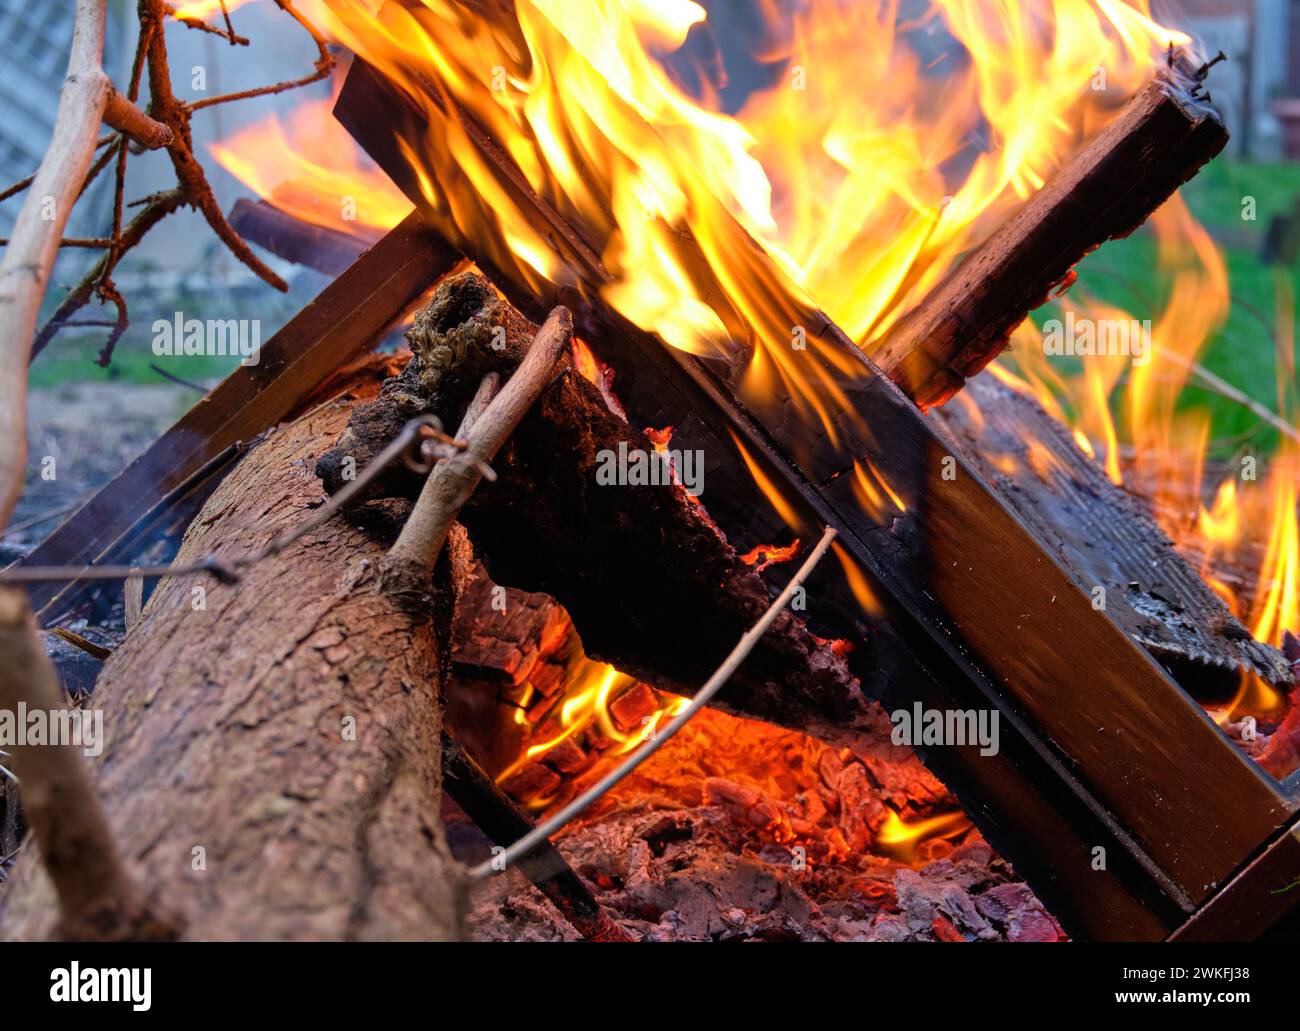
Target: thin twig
<point>408,446</point>
<point>227,34</point>
<point>177,379</point>
<point>27,524</point>
<point>544,830</point>
<point>324,65</point>
<point>410,560</point>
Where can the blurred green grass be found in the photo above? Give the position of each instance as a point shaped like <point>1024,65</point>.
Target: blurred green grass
<point>73,355</point>
<point>1124,273</point>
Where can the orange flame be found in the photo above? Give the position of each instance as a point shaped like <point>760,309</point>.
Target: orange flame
<point>902,840</point>
<point>864,173</point>
<point>308,166</point>
<point>1166,442</point>
<point>204,10</point>
<point>587,695</point>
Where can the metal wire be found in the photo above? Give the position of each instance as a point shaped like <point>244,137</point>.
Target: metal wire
<point>421,444</point>
<point>544,830</point>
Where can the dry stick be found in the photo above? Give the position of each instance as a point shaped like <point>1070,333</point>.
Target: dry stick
<point>1222,387</point>
<point>408,563</point>
<point>730,664</point>
<point>132,598</point>
<point>98,899</point>
<point>126,118</point>
<point>25,267</point>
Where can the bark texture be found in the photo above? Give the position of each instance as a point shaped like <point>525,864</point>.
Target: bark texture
<point>230,777</point>
<point>650,582</point>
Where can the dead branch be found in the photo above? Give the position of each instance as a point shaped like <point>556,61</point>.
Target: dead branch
<point>98,899</point>
<point>159,207</point>
<point>167,124</point>
<point>129,120</point>
<point>228,33</point>
<point>324,65</point>
<point>29,258</point>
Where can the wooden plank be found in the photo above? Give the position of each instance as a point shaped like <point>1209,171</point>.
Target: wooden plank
<point>982,594</point>
<point>288,237</point>
<point>1128,169</point>
<point>1263,895</point>
<point>347,316</point>
<point>1106,537</point>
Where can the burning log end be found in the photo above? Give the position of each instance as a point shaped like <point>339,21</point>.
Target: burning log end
<point>1110,187</point>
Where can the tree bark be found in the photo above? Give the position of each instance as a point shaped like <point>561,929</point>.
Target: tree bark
<point>272,764</point>
<point>651,583</point>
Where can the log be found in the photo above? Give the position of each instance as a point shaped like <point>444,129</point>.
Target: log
<point>1107,538</point>
<point>546,524</point>
<point>1128,169</point>
<point>288,237</point>
<point>969,596</point>
<point>272,766</point>
<point>338,325</point>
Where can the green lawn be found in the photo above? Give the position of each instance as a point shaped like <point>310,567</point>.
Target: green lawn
<point>73,354</point>
<point>1123,273</point>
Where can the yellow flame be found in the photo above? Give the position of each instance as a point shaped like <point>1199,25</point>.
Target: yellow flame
<point>206,10</point>
<point>864,172</point>
<point>901,840</point>
<point>306,164</point>
<point>588,691</point>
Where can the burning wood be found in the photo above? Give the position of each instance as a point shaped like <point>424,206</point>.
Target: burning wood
<point>542,522</point>
<point>955,544</point>
<point>474,792</point>
<point>306,735</point>
<point>1108,539</point>
<point>1159,141</point>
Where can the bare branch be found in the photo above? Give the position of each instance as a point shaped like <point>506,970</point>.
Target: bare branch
<point>27,261</point>
<point>129,120</point>
<point>159,207</point>
<point>324,65</point>
<point>228,33</point>
<point>408,565</point>
<point>98,899</point>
